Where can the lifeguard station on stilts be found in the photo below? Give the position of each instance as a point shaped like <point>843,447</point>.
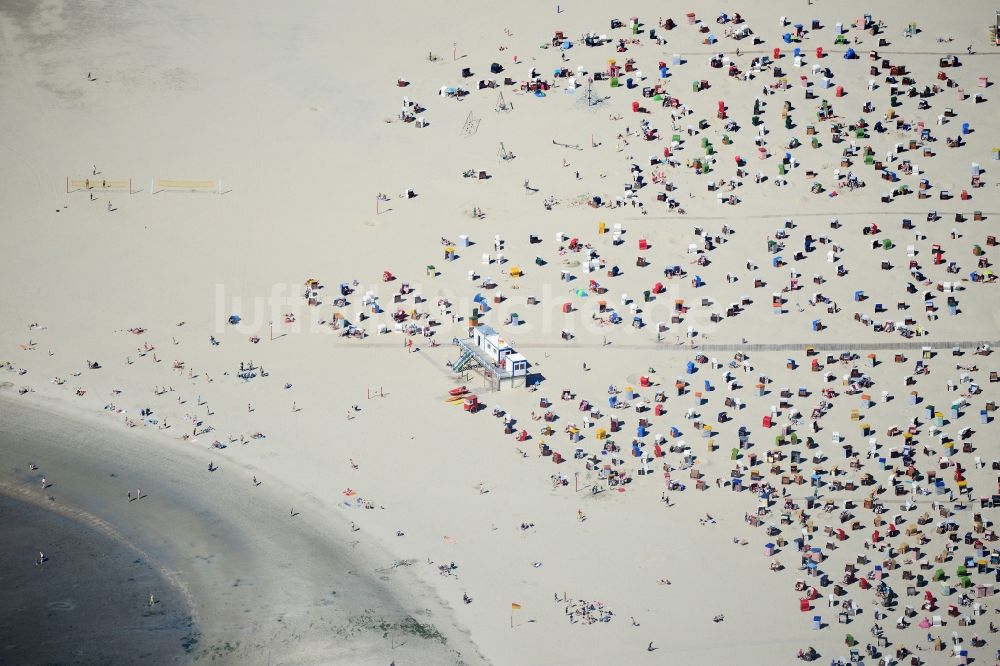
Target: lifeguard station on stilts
<point>490,356</point>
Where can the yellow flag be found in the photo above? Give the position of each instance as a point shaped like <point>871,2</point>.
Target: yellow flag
<point>515,606</point>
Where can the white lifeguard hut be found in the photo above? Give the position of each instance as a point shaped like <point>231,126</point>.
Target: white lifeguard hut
<point>492,356</point>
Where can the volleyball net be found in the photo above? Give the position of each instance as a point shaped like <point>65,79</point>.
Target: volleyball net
<point>157,185</point>
<point>99,184</point>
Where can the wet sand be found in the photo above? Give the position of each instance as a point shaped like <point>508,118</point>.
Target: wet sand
<point>88,603</point>
<point>264,586</point>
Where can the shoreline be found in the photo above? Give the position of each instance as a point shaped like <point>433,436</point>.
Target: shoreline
<point>190,529</point>
<point>92,600</point>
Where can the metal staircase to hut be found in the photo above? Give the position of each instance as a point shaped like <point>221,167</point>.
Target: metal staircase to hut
<point>471,359</point>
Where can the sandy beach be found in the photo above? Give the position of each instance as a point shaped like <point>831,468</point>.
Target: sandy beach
<point>259,260</point>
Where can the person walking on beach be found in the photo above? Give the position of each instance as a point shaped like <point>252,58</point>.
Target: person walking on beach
<point>254,481</point>
<point>130,496</point>
<point>138,493</point>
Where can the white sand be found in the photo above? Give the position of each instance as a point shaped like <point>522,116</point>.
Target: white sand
<point>292,112</point>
